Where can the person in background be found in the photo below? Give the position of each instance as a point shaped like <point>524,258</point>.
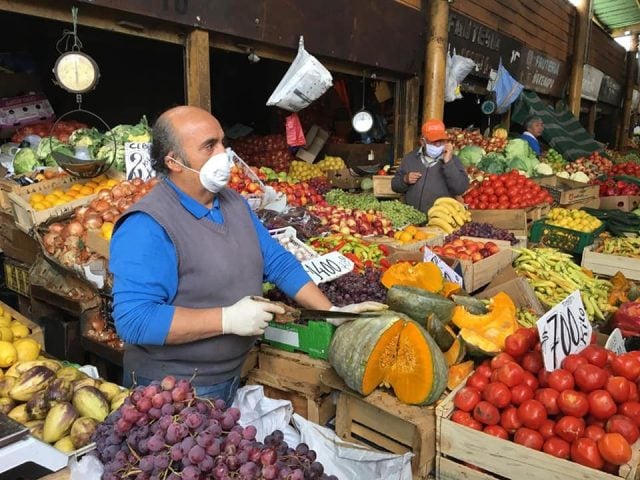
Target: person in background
<point>188,262</point>
<point>534,126</point>
<point>432,171</point>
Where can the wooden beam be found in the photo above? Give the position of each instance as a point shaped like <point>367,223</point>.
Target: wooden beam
<point>409,118</point>
<point>619,32</point>
<point>632,65</point>
<point>96,17</point>
<point>583,23</point>
<point>197,72</point>
<point>436,59</point>
<point>591,120</point>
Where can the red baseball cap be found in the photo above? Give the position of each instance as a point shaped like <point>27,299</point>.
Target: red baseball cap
<point>433,130</point>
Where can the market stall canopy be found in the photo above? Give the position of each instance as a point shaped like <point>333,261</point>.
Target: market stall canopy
<point>617,15</point>
<point>561,129</point>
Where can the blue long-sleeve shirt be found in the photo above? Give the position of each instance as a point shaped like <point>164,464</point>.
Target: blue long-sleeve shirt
<point>532,141</point>
<point>144,264</point>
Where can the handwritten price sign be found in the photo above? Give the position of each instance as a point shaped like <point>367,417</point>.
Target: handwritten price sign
<point>565,329</point>
<point>615,342</point>
<point>137,157</point>
<point>327,267</point>
<point>447,272</point>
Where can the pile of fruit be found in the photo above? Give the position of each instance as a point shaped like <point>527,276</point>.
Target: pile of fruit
<point>612,188</point>
<point>243,183</point>
<point>448,214</point>
<point>43,201</point>
<point>331,163</point>
<point>460,138</point>
<point>410,234</point>
<point>554,275</point>
<point>355,287</point>
<point>555,160</point>
<point>11,330</point>
<point>578,220</point>
<point>482,230</point>
<point>352,220</point>
<point>467,249</point>
<point>298,194</point>
<point>505,191</point>
<point>588,411</point>
<point>622,246</point>
<point>64,128</point>
<point>321,184</point>
<point>593,167</point>
<point>362,254</point>
<point>626,168</point>
<point>60,405</point>
<point>303,171</point>
<point>164,431</point>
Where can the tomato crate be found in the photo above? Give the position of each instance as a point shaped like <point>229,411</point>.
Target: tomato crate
<point>571,241</point>
<point>313,338</point>
<point>462,452</point>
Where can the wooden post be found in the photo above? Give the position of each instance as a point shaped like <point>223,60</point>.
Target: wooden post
<point>591,121</point>
<point>623,138</point>
<point>197,74</point>
<point>410,97</point>
<point>435,60</point>
<point>583,23</point>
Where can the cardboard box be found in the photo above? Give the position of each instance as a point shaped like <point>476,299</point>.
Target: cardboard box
<point>592,203</point>
<point>16,112</point>
<point>15,243</point>
<point>344,179</point>
<point>625,203</point>
<point>516,220</point>
<point>316,138</point>
<point>518,288</point>
<point>609,265</point>
<point>382,187</point>
<point>565,191</point>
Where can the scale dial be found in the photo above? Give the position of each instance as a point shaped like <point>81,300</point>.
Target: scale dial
<point>76,72</point>
<point>362,121</point>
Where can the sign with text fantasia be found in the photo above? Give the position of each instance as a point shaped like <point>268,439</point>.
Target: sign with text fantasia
<point>327,267</point>
<point>541,73</point>
<point>563,330</point>
<point>447,272</point>
<point>137,157</point>
<point>610,91</point>
<point>483,45</point>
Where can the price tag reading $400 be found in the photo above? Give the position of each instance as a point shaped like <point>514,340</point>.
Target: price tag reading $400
<point>565,329</point>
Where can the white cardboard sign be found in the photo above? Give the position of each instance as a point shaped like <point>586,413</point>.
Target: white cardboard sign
<point>447,272</point>
<point>615,342</point>
<point>327,267</point>
<point>137,157</point>
<point>563,330</point>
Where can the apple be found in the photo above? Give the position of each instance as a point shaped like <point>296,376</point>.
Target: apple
<point>476,257</point>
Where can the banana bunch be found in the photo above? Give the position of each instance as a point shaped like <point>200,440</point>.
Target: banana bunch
<point>448,214</point>
<point>553,275</point>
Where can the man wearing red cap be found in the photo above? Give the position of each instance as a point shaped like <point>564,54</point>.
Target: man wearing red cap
<point>431,171</point>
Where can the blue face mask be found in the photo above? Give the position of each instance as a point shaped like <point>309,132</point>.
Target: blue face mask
<point>434,151</point>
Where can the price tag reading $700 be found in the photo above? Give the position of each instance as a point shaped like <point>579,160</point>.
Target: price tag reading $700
<point>563,330</point>
<point>327,267</point>
<point>447,272</point>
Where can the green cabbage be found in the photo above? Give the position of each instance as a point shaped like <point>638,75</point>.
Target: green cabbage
<point>46,146</point>
<point>493,163</point>
<point>141,132</point>
<point>25,161</point>
<point>526,165</point>
<point>85,137</point>
<point>106,152</point>
<point>517,147</point>
<point>471,155</point>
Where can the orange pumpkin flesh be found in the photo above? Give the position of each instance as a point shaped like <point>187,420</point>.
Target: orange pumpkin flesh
<point>455,352</point>
<point>425,275</point>
<point>381,358</point>
<point>494,326</point>
<point>458,373</point>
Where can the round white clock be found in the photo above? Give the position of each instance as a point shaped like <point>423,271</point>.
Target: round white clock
<point>76,72</point>
<point>362,121</point>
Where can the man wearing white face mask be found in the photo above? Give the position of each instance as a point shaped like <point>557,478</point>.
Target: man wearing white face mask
<point>431,171</point>
<point>187,260</point>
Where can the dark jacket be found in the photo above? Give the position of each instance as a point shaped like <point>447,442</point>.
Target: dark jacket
<point>440,180</point>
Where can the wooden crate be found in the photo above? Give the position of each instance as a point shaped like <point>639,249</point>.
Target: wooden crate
<point>382,421</point>
<point>624,203</point>
<point>459,446</point>
<point>9,186</point>
<point>565,191</point>
<point>295,377</point>
<point>515,220</point>
<point>382,187</point>
<point>609,265</point>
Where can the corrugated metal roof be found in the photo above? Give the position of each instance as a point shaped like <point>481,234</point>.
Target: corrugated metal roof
<point>617,13</point>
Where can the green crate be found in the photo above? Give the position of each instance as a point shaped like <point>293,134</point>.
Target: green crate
<point>564,239</point>
<point>313,338</point>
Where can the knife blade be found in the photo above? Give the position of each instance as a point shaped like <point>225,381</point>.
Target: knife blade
<point>309,314</point>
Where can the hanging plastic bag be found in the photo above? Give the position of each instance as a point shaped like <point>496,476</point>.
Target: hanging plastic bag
<point>305,81</point>
<point>295,134</point>
<point>458,67</point>
<point>507,89</point>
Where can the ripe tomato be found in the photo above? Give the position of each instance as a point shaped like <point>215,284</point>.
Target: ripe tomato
<point>595,355</point>
<point>573,403</point>
<point>543,378</point>
<point>509,420</point>
<point>532,413</point>
<point>500,359</point>
<point>547,429</point>
<point>614,448</point>
<point>520,393</point>
<point>466,399</point>
<point>511,374</point>
<point>549,398</point>
<point>633,393</point>
<point>591,420</point>
<point>497,394</point>
<point>624,426</point>
<point>569,428</point>
<point>594,432</point>
<point>496,431</point>
<point>601,404</point>
<point>531,334</point>
<point>477,381</point>
<point>573,361</point>
<point>465,418</point>
<point>530,381</point>
<point>560,380</point>
<point>557,447</point>
<point>627,366</point>
<point>486,413</point>
<point>529,438</point>
<point>516,344</point>
<point>619,388</point>
<point>484,369</point>
<point>631,410</point>
<point>589,377</point>
<point>585,452</point>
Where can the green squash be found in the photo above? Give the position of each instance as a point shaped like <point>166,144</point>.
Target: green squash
<point>419,304</point>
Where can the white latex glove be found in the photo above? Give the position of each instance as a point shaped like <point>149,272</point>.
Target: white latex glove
<point>355,308</point>
<point>248,317</point>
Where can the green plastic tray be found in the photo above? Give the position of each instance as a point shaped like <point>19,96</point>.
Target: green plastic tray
<point>565,239</point>
<point>313,338</point>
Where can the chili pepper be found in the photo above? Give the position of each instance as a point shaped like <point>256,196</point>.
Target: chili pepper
<point>354,259</point>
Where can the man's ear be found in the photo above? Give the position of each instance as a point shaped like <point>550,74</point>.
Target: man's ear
<point>172,164</point>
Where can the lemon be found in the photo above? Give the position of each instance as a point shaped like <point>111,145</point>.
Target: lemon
<point>76,187</point>
<point>36,197</point>
<point>91,184</point>
<point>39,206</point>
<point>112,182</point>
<point>1,310</point>
<point>107,230</point>
<point>86,190</point>
<point>8,354</point>
<point>27,349</point>
<point>20,331</point>
<point>6,334</point>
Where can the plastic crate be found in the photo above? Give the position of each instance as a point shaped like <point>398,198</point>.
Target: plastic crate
<point>313,338</point>
<point>16,277</point>
<point>564,239</point>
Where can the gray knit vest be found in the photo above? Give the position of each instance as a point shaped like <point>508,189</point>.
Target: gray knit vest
<point>217,266</point>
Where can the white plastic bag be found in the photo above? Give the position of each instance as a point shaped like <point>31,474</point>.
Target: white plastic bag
<point>458,67</point>
<point>266,414</point>
<point>305,81</point>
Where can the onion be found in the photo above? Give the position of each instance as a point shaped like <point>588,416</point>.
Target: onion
<point>100,205</point>
<point>73,243</point>
<point>117,192</point>
<point>136,182</point>
<point>80,212</point>
<point>97,322</point>
<point>127,188</point>
<point>56,227</point>
<point>73,228</point>
<point>123,204</point>
<point>111,215</point>
<point>104,195</point>
<point>92,222</point>
<point>52,241</point>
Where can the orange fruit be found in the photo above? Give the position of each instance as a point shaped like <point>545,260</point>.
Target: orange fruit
<point>36,197</point>
<point>112,183</point>
<point>76,187</point>
<point>51,198</point>
<point>411,230</point>
<point>57,192</point>
<point>420,235</point>
<point>405,237</point>
<point>91,184</point>
<point>86,190</point>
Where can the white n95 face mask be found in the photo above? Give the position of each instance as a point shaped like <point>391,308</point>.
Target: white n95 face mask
<point>434,151</point>
<point>215,173</point>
